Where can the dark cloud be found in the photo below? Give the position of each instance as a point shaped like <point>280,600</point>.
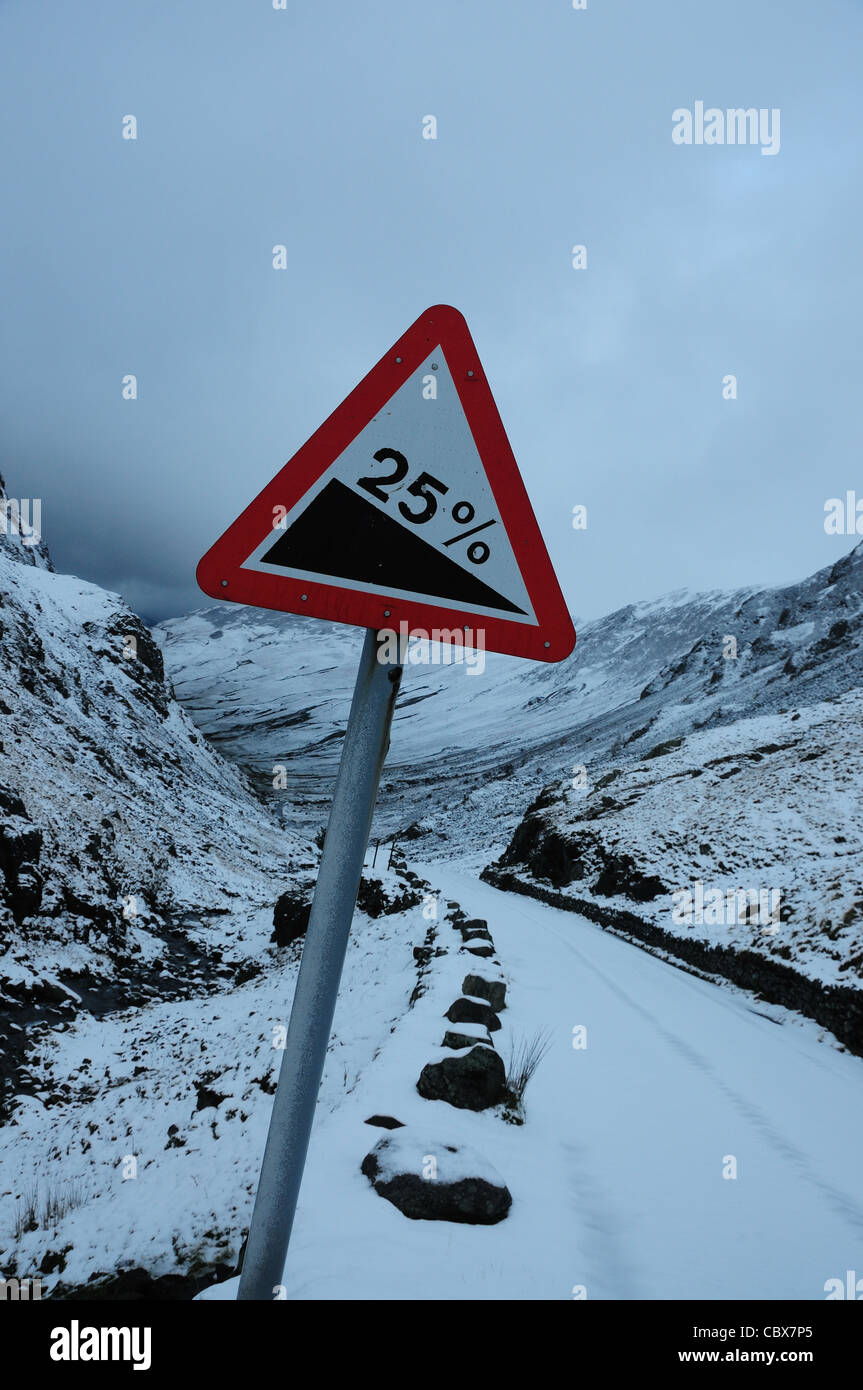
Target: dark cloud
<point>303,127</point>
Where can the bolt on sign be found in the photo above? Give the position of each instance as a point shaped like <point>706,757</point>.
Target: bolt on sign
<point>405,506</point>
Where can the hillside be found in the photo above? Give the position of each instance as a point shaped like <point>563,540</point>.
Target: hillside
<point>470,751</point>
<point>141,1046</point>
<point>134,863</point>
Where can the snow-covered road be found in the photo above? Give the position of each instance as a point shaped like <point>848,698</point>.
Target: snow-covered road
<point>677,1075</point>
<point>617,1174</point>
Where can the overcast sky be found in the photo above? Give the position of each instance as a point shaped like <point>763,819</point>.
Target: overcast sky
<point>303,127</point>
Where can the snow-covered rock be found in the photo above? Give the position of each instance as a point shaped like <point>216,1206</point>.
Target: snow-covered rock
<point>431,1180</point>
<point>468,1010</point>
<point>472,1080</point>
<point>20,530</point>
<point>483,988</point>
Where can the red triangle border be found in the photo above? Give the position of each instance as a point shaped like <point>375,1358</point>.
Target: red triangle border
<point>443,326</point>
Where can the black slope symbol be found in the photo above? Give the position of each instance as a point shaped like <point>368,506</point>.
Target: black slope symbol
<point>343,536</point>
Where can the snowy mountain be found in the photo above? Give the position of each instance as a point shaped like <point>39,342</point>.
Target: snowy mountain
<point>738,849</point>
<point>140,985</point>
<point>134,862</point>
<point>728,712</point>
<point>21,531</point>
<point>271,689</point>
<point>140,873</point>
<point>737,782</point>
<point>470,749</point>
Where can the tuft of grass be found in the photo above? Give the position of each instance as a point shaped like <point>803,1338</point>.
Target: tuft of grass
<point>34,1210</point>
<point>59,1201</point>
<point>524,1058</point>
<point>27,1211</point>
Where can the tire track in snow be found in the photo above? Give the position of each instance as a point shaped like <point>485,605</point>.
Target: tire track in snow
<point>844,1205</point>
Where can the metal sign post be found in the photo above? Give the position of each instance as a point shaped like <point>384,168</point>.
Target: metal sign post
<point>365,748</point>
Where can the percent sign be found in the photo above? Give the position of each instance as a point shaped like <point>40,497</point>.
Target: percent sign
<point>477,552</point>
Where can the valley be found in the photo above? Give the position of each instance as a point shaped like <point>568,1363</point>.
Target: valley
<point>698,1077</point>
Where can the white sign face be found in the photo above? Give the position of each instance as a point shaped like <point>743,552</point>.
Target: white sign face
<point>406,510</point>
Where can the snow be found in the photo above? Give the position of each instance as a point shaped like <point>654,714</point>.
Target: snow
<point>471,1030</point>
<point>616,1174</point>
<point>469,753</point>
<point>789,820</point>
<point>153,1117</point>
<point>129,1077</point>
<point>131,803</point>
<point>407,1150</point>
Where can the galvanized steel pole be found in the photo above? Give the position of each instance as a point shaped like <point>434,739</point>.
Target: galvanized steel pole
<point>365,748</point>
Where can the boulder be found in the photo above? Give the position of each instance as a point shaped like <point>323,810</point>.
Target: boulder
<point>458,1040</point>
<point>21,883</point>
<point>492,990</point>
<point>290,918</point>
<point>373,898</point>
<point>20,842</point>
<point>476,934</point>
<point>467,1010</point>
<point>483,949</point>
<point>428,1180</point>
<point>24,895</point>
<point>384,1122</point>
<point>471,1081</point>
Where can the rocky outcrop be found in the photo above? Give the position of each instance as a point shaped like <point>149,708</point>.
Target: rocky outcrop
<point>21,882</point>
<point>562,859</point>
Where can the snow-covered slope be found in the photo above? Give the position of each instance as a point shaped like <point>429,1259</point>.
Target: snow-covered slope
<point>135,1160</point>
<point>134,862</point>
<point>20,530</point>
<point>738,782</point>
<point>767,808</point>
<point>644,746</point>
<point>470,750</point>
<point>272,689</point>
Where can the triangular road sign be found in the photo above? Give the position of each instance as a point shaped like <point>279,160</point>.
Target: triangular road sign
<point>406,506</point>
